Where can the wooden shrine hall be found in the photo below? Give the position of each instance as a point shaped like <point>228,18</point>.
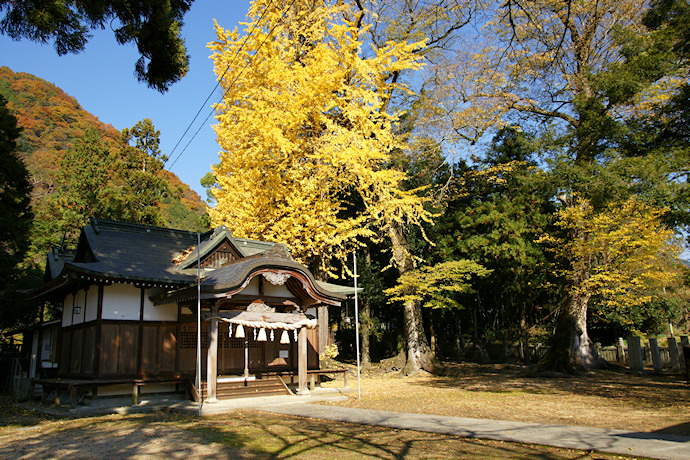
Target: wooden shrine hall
<point>130,300</point>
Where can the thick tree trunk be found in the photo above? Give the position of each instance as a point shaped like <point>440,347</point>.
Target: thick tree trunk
<point>419,355</point>
<point>571,349</point>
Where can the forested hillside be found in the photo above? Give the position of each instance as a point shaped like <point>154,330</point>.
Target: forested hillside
<point>51,123</point>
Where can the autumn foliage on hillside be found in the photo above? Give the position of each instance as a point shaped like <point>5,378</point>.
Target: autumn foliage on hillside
<point>51,122</point>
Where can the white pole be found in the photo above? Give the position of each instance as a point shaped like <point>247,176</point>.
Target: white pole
<point>198,318</point>
<point>359,387</point>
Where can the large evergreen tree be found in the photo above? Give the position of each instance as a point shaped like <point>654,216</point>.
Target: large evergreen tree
<point>154,26</point>
<point>15,191</point>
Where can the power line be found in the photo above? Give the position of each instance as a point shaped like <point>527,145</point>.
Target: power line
<point>227,68</point>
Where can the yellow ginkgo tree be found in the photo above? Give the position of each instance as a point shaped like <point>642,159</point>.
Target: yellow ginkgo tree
<point>307,134</point>
<point>619,256</point>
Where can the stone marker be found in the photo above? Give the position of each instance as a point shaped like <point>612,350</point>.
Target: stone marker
<point>673,353</point>
<point>635,354</point>
<point>620,350</point>
<point>656,356</point>
<point>683,343</point>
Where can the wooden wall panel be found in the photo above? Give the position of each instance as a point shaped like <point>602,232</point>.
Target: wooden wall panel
<point>150,353</point>
<point>119,350</point>
<point>64,357</point>
<point>110,345</point>
<point>75,352</point>
<point>158,352</point>
<point>88,349</point>
<point>169,346</point>
<point>128,350</point>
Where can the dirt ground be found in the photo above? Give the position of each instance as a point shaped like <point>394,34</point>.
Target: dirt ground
<point>602,399</point>
<point>245,434</point>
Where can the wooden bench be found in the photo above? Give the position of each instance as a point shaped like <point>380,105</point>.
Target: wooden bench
<point>319,372</point>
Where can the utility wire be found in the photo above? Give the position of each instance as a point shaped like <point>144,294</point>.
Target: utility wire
<point>227,68</point>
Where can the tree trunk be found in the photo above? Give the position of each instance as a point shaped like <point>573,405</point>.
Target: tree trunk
<point>365,319</point>
<point>459,345</point>
<point>432,333</point>
<point>419,355</point>
<point>525,336</point>
<point>571,349</point>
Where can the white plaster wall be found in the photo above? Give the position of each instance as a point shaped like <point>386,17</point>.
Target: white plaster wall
<point>80,301</point>
<point>67,310</point>
<point>91,304</point>
<point>121,301</point>
<point>47,339</point>
<point>276,291</point>
<point>167,312</point>
<point>252,288</point>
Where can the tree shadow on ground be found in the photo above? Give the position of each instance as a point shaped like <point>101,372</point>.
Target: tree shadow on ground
<point>245,435</point>
<point>651,389</point>
<point>285,436</point>
<point>112,437</point>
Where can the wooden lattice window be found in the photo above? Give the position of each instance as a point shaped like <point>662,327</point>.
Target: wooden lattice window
<point>188,336</point>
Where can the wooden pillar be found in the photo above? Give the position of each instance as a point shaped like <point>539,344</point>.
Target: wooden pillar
<point>99,325</point>
<point>39,354</point>
<point>140,345</point>
<point>212,359</point>
<point>302,361</point>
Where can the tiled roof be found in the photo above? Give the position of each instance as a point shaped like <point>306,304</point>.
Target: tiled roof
<point>140,253</point>
<point>133,251</point>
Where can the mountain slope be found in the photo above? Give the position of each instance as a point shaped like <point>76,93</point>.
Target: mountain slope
<point>51,121</point>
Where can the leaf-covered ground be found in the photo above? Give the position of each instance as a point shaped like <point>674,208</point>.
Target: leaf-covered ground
<point>238,435</point>
<point>603,399</point>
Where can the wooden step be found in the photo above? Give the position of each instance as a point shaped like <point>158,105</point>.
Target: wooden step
<point>251,388</point>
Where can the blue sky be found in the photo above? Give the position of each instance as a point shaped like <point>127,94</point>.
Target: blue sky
<point>102,80</point>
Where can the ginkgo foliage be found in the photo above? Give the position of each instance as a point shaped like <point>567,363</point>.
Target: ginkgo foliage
<point>620,257</point>
<point>436,286</point>
<point>624,254</point>
<point>305,132</point>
